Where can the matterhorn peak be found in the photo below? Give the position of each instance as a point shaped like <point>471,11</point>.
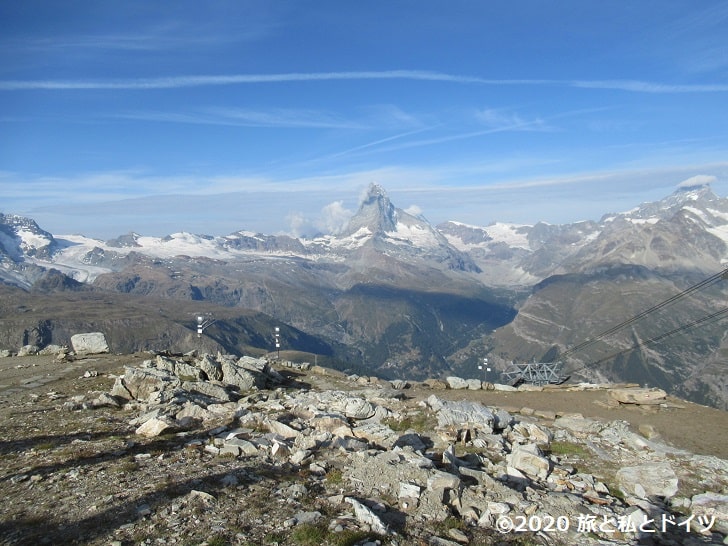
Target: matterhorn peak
<point>376,213</point>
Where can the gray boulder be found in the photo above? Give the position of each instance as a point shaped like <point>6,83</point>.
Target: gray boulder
<point>206,388</point>
<point>462,414</point>
<point>139,383</point>
<point>210,367</point>
<point>27,350</point>
<point>242,378</point>
<point>641,481</point>
<point>89,343</point>
<point>529,460</point>
<point>456,383</point>
<point>711,505</point>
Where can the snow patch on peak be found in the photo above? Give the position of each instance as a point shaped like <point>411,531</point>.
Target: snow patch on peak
<point>32,239</point>
<point>464,225</point>
<point>639,221</point>
<point>244,233</point>
<point>416,234</point>
<point>514,235</point>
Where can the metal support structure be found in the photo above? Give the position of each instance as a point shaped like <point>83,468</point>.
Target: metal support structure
<point>485,368</point>
<point>536,373</point>
<point>277,337</point>
<point>203,321</point>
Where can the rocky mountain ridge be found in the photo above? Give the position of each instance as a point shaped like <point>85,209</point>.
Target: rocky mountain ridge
<point>538,250</point>
<point>686,231</point>
<point>406,295</point>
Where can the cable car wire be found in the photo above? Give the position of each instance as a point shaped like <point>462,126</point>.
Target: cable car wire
<point>700,286</point>
<point>713,317</point>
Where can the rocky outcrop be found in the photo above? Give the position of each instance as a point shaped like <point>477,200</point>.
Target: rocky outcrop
<point>482,466</point>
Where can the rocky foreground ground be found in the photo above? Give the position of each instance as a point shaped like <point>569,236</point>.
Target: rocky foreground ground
<point>164,449</point>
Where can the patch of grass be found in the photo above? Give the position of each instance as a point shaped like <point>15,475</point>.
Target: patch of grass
<point>308,534</point>
<point>334,477</point>
<point>449,523</point>
<point>349,537</point>
<point>128,466</point>
<point>568,449</point>
<point>419,422</point>
<point>616,491</point>
<point>218,540</point>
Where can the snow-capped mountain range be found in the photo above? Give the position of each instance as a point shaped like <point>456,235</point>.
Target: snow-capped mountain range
<point>412,297</point>
<point>500,254</point>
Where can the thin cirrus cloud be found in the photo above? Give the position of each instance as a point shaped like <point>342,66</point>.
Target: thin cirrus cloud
<point>172,82</point>
<point>242,117</point>
<point>498,118</point>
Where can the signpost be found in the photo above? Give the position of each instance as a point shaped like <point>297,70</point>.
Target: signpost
<point>486,369</point>
<point>277,336</point>
<point>203,321</point>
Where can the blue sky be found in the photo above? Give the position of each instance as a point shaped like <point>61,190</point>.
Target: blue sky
<point>270,116</point>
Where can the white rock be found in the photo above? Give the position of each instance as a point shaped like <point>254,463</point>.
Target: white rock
<point>528,460</point>
<point>281,429</point>
<point>656,478</point>
<point>89,343</point>
<point>358,408</point>
<point>504,388</point>
<point>154,427</point>
<point>456,382</point>
<point>368,517</point>
<point>409,490</point>
<point>27,350</point>
<point>711,505</point>
<point>462,414</point>
<point>474,384</point>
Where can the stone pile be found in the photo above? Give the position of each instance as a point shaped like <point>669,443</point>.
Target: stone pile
<point>575,479</point>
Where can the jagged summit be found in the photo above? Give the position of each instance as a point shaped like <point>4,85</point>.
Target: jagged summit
<point>379,224</point>
<point>698,195</point>
<point>376,213</point>
<point>22,236</point>
<point>695,191</point>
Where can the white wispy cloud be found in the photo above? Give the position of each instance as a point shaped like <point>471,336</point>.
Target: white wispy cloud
<point>698,180</point>
<point>233,79</point>
<point>173,82</point>
<point>497,118</point>
<point>638,86</point>
<point>376,117</point>
<point>161,205</point>
<point>245,117</point>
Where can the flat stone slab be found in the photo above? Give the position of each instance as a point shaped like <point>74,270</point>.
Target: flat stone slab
<point>638,396</point>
